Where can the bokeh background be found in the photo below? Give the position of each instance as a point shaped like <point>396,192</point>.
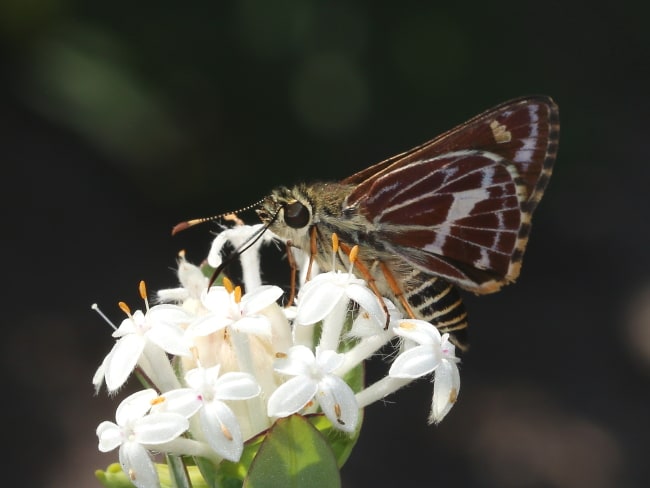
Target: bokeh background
<point>120,119</point>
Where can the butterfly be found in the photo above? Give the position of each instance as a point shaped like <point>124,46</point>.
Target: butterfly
<point>453,213</point>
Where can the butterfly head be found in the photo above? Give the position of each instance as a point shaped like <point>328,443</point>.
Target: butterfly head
<point>288,213</point>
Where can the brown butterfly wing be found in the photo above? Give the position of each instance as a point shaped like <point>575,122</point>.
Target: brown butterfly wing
<point>524,131</point>
<point>465,230</point>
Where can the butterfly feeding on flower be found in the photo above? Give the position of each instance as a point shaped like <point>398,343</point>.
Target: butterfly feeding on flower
<point>454,212</point>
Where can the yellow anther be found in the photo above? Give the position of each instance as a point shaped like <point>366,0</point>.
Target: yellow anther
<point>226,432</point>
<point>143,290</point>
<point>353,254</point>
<point>407,325</point>
<point>158,400</point>
<point>453,395</point>
<point>237,294</point>
<point>125,308</point>
<point>227,284</point>
<point>335,243</point>
<point>280,355</point>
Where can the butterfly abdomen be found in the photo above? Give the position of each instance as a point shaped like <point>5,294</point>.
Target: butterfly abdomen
<point>439,302</point>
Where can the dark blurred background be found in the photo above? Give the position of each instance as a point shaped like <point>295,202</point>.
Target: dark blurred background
<point>119,119</point>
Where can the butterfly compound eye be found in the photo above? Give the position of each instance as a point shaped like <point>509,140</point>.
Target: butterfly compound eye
<point>296,215</point>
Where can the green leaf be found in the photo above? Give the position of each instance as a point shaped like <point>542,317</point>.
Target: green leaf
<point>340,442</point>
<point>294,455</point>
<point>114,477</point>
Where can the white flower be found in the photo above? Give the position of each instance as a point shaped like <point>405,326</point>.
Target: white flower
<point>319,296</point>
<point>421,359</point>
<point>159,327</point>
<point>242,314</point>
<point>433,353</point>
<point>192,281</point>
<point>446,384</point>
<point>135,432</point>
<point>313,380</point>
<point>209,391</point>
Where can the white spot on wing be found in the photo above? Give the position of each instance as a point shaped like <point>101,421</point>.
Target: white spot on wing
<point>525,153</point>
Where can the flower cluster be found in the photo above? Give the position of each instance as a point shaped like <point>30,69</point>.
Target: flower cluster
<point>220,367</point>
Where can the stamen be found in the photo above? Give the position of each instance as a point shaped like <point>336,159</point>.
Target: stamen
<point>142,288</point>
<point>353,254</point>
<point>95,307</point>
<point>335,249</point>
<point>353,258</point>
<point>226,432</point>
<point>280,355</point>
<point>238,294</point>
<point>407,325</point>
<point>227,284</point>
<point>453,395</point>
<point>337,412</point>
<point>158,400</point>
<point>125,308</point>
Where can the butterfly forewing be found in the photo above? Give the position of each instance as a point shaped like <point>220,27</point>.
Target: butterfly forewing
<point>524,131</point>
<point>459,206</point>
<point>455,211</point>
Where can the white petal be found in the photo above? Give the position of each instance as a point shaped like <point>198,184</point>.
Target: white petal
<point>317,302</point>
<point>259,299</point>
<point>122,359</point>
<point>299,361</point>
<point>158,428</point>
<point>135,406</point>
<point>196,378</point>
<point>415,362</point>
<point>291,396</point>
<point>98,377</point>
<point>170,338</point>
<point>328,360</point>
<point>236,386</point>
<point>254,324</point>
<point>110,436</point>
<point>184,401</point>
<point>446,387</point>
<point>207,324</point>
<point>368,301</point>
<point>337,400</point>
<point>138,466</point>
<point>419,331</point>
<point>216,299</point>
<point>130,324</point>
<point>222,430</point>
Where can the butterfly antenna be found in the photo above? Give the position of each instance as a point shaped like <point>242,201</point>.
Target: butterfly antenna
<point>191,223</point>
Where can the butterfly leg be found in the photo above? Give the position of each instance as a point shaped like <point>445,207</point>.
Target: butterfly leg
<point>294,268</point>
<point>396,289</point>
<point>372,283</point>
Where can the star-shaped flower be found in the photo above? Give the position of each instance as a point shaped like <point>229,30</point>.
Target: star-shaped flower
<point>313,379</point>
<point>158,328</point>
<point>228,308</point>
<point>433,353</point>
<point>208,393</point>
<point>135,432</point>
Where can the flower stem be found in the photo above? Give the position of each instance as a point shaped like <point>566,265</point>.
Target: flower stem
<point>333,326</point>
<point>380,389</point>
